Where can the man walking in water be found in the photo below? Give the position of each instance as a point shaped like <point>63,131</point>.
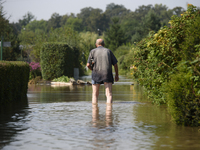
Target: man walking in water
<point>100,61</point>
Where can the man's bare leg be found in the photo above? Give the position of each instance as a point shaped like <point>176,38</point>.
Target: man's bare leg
<point>95,93</point>
<point>108,90</point>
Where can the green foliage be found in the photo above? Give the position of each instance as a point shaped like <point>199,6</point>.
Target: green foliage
<point>14,83</point>
<point>35,70</point>
<point>56,60</point>
<point>9,53</point>
<point>33,41</point>
<point>75,24</point>
<point>36,26</point>
<point>26,19</point>
<point>115,36</point>
<point>86,44</point>
<point>131,26</point>
<point>62,79</point>
<point>114,10</point>
<point>159,54</point>
<point>151,22</point>
<point>54,21</point>
<point>121,53</point>
<point>183,94</point>
<point>93,19</point>
<point>156,64</point>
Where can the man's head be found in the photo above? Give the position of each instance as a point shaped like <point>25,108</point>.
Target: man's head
<point>99,42</point>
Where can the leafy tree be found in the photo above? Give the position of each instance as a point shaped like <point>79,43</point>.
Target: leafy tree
<point>114,10</point>
<point>27,39</point>
<point>75,24</point>
<point>9,53</point>
<point>18,26</point>
<point>151,22</point>
<point>97,20</point>
<point>87,43</point>
<point>140,12</point>
<point>93,19</point>
<point>178,11</point>
<point>85,14</point>
<point>36,25</point>
<point>132,28</point>
<point>54,21</point>
<point>3,21</point>
<point>27,18</point>
<point>64,18</point>
<point>163,13</point>
<point>115,36</point>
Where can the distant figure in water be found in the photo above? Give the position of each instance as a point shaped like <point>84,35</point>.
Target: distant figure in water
<point>100,61</point>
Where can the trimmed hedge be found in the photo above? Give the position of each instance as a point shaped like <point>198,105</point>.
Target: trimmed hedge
<point>58,59</point>
<point>14,77</point>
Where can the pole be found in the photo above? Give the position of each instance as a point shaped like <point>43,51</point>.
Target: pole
<point>1,47</point>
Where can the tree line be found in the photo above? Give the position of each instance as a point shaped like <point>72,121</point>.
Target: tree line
<point>136,24</point>
<point>117,25</point>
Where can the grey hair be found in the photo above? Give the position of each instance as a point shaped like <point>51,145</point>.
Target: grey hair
<point>100,42</point>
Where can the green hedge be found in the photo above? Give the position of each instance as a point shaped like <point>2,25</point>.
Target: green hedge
<point>58,59</point>
<point>14,77</point>
<point>183,94</point>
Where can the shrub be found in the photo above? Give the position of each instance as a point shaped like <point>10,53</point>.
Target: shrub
<point>58,59</point>
<point>183,95</point>
<point>35,70</point>
<point>14,83</point>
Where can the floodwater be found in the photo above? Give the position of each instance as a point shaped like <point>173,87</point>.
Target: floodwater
<point>63,118</point>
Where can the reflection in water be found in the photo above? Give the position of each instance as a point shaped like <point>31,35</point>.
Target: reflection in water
<point>109,120</point>
<point>96,119</point>
<point>95,114</point>
<point>12,125</point>
<point>63,118</point>
<point>103,135</point>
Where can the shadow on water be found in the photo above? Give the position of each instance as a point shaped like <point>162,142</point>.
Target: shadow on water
<point>11,120</point>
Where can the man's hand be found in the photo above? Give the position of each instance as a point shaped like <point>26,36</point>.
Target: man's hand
<point>116,73</point>
<point>116,78</point>
<point>88,65</point>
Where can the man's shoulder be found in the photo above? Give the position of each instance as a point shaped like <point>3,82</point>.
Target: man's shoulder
<point>103,48</point>
<point>100,48</point>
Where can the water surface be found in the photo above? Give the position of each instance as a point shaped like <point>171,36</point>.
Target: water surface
<point>64,118</point>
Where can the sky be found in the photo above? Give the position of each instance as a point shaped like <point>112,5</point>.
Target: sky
<point>43,9</point>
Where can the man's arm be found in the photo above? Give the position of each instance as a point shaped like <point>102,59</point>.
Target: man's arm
<point>116,73</point>
<point>88,65</point>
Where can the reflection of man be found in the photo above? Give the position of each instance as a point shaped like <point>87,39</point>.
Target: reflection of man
<point>95,114</point>
<point>100,61</point>
<point>109,120</point>
<point>108,117</point>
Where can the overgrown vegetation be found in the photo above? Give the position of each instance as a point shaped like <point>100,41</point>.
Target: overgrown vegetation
<point>166,63</point>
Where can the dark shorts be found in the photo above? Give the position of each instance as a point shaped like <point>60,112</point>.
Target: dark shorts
<point>101,82</point>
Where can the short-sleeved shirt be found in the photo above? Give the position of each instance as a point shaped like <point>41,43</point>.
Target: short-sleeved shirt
<point>103,61</point>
